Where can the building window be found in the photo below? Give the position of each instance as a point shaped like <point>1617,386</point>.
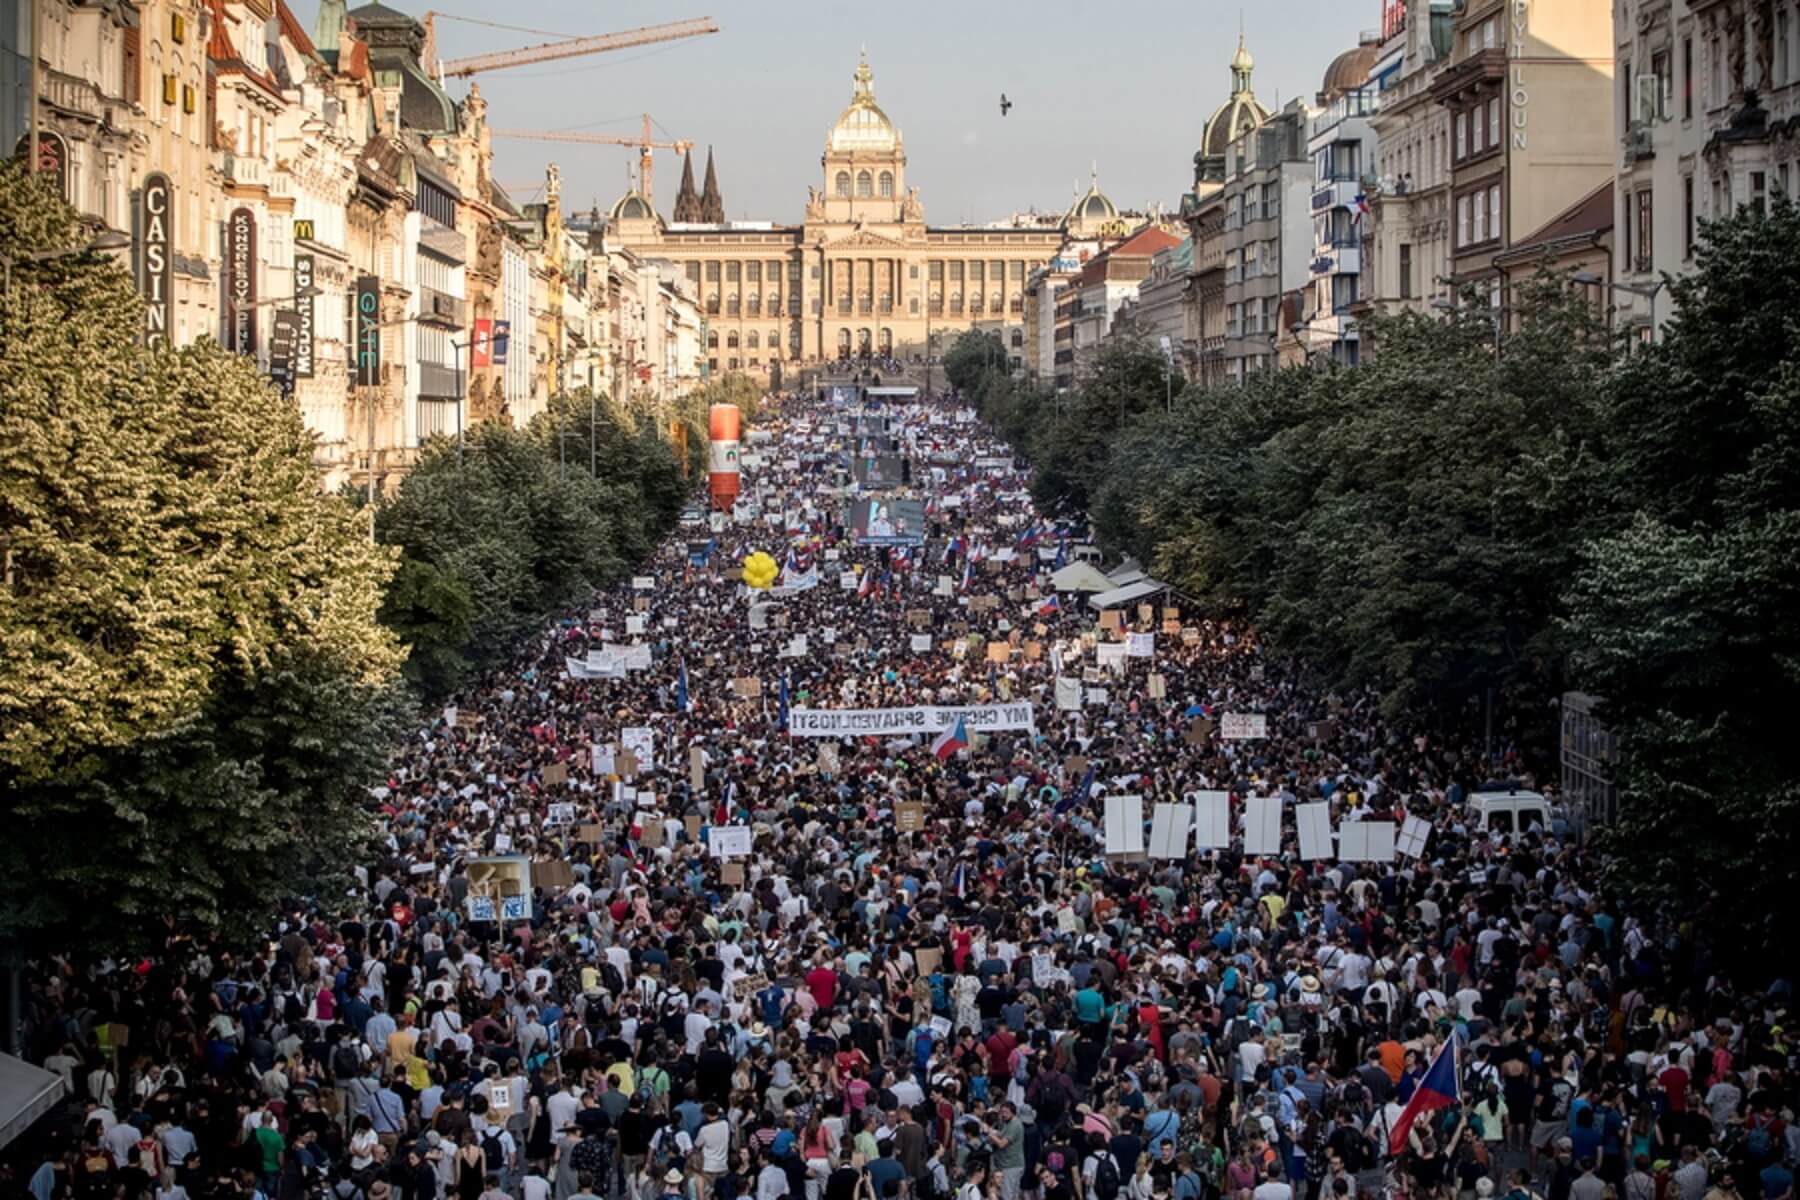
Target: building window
<point>712,272</point>
<point>731,341</point>
<point>1759,187</point>
<point>1645,227</point>
<point>732,272</point>
<point>1494,136</point>
<point>1406,271</point>
<point>887,185</point>
<point>1478,217</point>
<point>1687,79</point>
<point>753,340</point>
<point>1687,216</point>
<point>693,272</point>
<point>1494,228</point>
<point>865,185</point>
<point>1665,86</point>
<point>843,185</point>
<point>1715,73</point>
<point>1462,135</point>
<point>1462,220</point>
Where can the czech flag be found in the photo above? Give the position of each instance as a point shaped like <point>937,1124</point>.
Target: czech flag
<point>968,574</point>
<point>867,585</point>
<point>1050,605</point>
<point>681,689</point>
<point>1440,1088</point>
<point>952,740</point>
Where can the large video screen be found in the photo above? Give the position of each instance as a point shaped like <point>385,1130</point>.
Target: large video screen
<point>842,394</point>
<point>880,470</point>
<point>884,521</point>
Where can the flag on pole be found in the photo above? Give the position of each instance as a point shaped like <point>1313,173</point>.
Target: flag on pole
<point>782,712</point>
<point>1440,1087</point>
<point>1050,606</point>
<point>1079,794</point>
<point>951,740</point>
<point>681,689</point>
<point>1062,555</point>
<point>968,574</point>
<point>867,585</point>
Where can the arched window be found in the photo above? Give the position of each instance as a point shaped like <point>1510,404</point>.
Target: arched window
<point>712,339</point>
<point>755,342</point>
<point>844,343</point>
<point>731,340</point>
<point>865,186</point>
<point>773,340</point>
<point>887,343</point>
<point>887,185</point>
<point>843,184</point>
<point>1018,338</point>
<point>995,300</point>
<point>864,342</point>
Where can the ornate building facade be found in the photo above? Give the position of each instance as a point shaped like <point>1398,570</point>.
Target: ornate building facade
<point>862,273</point>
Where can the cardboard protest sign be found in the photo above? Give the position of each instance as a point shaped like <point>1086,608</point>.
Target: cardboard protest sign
<point>731,874</point>
<point>729,841</point>
<point>1074,767</point>
<point>909,816</point>
<point>604,762</point>
<point>1109,620</point>
<point>927,959</point>
<point>747,687</point>
<point>1140,645</point>
<point>1314,823</point>
<point>1171,614</point>
<point>1199,732</point>
<point>651,827</point>
<point>625,765</point>
<point>1190,636</point>
<point>1068,694</point>
<point>467,720</point>
<point>555,773</point>
<point>1146,614</point>
<point>999,652</point>
<point>696,768</point>
<point>560,813</point>
<point>1033,651</point>
<point>1320,731</point>
<point>828,758</point>
<point>1172,628</point>
<point>1236,727</point>
<point>692,825</point>
<point>589,833</point>
<point>552,874</point>
<point>1158,687</point>
<point>918,618</point>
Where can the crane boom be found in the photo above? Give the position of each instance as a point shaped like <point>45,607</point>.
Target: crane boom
<point>596,139</point>
<point>575,47</point>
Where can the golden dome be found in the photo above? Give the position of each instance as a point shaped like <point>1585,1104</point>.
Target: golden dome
<point>863,126</point>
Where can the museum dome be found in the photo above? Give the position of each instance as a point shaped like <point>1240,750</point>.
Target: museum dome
<point>1348,71</point>
<point>632,206</point>
<point>863,126</point>
<point>1239,114</point>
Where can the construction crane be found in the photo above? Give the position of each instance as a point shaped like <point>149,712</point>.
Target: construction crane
<point>571,47</point>
<point>645,144</point>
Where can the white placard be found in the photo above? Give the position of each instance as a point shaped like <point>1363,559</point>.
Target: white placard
<point>1140,645</point>
<point>796,648</point>
<point>603,758</point>
<point>729,841</point>
<point>1413,837</point>
<point>643,583</point>
<point>1314,822</point>
<point>1068,694</point>
<point>1124,824</point>
<point>831,556</point>
<point>1262,825</point>
<point>1110,654</point>
<point>847,581</point>
<point>921,643</point>
<point>1366,841</point>
<point>1242,727</point>
<point>560,813</point>
<point>1212,820</point>
<point>634,625</point>
<point>1096,697</point>
<point>641,741</point>
<point>1169,830</point>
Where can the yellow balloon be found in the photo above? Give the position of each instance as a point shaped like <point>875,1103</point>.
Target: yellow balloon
<point>760,570</point>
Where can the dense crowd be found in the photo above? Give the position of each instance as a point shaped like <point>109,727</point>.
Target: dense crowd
<point>982,1005</point>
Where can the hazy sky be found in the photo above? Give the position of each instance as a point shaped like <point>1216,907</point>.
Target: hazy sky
<point>1124,86</point>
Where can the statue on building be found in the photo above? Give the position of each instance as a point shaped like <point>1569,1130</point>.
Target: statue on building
<point>815,204</point>
<point>911,209</point>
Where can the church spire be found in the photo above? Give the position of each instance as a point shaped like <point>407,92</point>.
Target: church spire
<point>687,201</point>
<point>712,205</point>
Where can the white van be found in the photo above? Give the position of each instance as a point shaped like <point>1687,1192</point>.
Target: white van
<point>1507,809</point>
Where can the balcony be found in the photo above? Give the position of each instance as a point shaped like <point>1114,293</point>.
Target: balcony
<point>75,95</point>
<point>1336,193</point>
<point>440,308</point>
<point>442,241</point>
<point>1638,145</point>
<point>245,172</point>
<point>1343,259</point>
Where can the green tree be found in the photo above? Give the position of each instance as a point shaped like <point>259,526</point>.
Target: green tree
<point>975,354</point>
<point>1073,454</point>
<point>194,688</point>
<point>1686,618</point>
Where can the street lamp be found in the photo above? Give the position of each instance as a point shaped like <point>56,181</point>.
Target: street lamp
<point>305,293</point>
<point>108,241</point>
<point>1645,291</point>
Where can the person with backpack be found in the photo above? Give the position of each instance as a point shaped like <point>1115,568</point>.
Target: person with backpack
<point>1100,1174</point>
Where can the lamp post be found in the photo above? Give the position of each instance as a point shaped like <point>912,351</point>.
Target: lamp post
<point>1645,291</point>
<point>105,242</point>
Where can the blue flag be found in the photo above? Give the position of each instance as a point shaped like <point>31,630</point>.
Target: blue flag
<point>783,717</point>
<point>1079,795</point>
<point>681,691</point>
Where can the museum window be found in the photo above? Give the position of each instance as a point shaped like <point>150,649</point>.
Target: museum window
<point>731,305</point>
<point>712,304</point>
<point>843,184</point>
<point>754,341</point>
<point>753,272</point>
<point>731,272</point>
<point>865,185</point>
<point>1018,303</point>
<point>753,305</point>
<point>731,341</point>
<point>712,339</point>
<point>712,271</point>
<point>887,185</point>
<point>773,340</point>
<point>693,272</point>
<point>731,364</point>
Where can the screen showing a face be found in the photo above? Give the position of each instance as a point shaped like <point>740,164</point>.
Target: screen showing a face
<point>887,522</point>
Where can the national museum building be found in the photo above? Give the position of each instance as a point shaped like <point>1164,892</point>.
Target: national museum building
<point>862,274</point>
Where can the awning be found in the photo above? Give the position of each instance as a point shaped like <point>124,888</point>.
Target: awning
<point>1131,593</point>
<point>26,1093</point>
<point>880,393</point>
<point>1080,577</point>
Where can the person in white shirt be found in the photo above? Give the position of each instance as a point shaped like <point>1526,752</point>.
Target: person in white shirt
<point>1273,1186</point>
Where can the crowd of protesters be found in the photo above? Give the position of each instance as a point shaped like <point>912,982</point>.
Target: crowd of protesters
<point>982,1006</point>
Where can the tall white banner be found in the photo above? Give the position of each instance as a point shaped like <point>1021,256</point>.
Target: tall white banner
<point>902,722</point>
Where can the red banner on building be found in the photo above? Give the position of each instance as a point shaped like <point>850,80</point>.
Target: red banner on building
<point>481,353</point>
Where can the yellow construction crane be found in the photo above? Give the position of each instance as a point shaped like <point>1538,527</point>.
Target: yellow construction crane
<point>644,144</point>
<point>567,47</point>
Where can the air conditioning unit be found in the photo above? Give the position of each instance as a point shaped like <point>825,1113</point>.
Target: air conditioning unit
<point>443,306</point>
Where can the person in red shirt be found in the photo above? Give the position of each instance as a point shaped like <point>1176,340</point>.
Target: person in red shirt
<point>822,982</point>
<point>999,1048</point>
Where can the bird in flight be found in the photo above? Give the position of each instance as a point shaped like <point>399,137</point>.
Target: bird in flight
<point>1005,104</point>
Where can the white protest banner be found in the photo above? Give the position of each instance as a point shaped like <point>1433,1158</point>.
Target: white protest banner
<point>603,758</point>
<point>796,647</point>
<point>729,841</point>
<point>640,741</point>
<point>1413,836</point>
<point>1212,820</point>
<point>800,583</point>
<point>634,625</point>
<point>1243,726</point>
<point>1125,825</point>
<point>1068,694</point>
<point>1096,696</point>
<point>1314,822</point>
<point>1169,830</point>
<point>596,665</point>
<point>831,555</point>
<point>759,615</point>
<point>1366,841</point>
<point>1110,654</point>
<point>921,721</point>
<point>921,643</point>
<point>1140,645</point>
<point>643,583</point>
<point>560,813</point>
<point>1262,825</point>
<point>847,580</point>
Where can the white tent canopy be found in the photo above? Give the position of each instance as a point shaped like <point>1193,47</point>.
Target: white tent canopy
<point>1131,593</point>
<point>1080,577</point>
<point>26,1093</point>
